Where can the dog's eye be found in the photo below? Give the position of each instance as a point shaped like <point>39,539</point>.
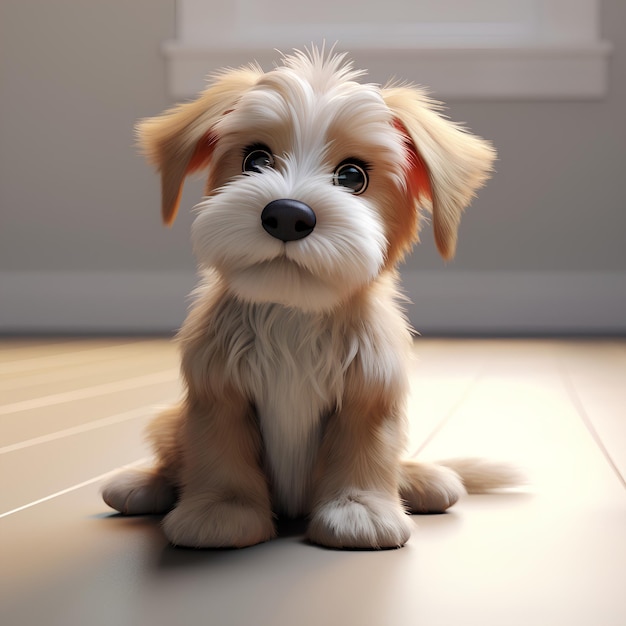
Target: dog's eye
<point>352,174</point>
<point>256,158</point>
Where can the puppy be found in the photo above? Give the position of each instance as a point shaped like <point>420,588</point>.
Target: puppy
<point>294,351</point>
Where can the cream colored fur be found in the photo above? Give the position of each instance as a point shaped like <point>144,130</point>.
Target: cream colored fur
<point>294,352</point>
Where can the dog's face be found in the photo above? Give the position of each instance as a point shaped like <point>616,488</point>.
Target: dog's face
<point>308,175</point>
<point>315,180</point>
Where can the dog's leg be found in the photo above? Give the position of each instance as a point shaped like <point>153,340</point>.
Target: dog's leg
<point>224,499</point>
<point>357,503</point>
<point>150,491</point>
<point>429,488</point>
<point>139,492</point>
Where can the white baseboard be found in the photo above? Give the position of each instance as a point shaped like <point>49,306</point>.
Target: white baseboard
<point>93,302</point>
<point>519,303</point>
<point>444,302</point>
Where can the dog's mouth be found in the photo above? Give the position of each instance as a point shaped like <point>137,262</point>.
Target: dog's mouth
<point>282,270</point>
<point>284,281</point>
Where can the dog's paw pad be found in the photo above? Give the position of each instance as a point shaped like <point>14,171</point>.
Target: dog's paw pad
<point>195,523</point>
<point>139,492</point>
<point>429,488</point>
<point>362,520</point>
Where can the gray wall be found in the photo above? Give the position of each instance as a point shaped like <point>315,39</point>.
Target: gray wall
<point>543,249</point>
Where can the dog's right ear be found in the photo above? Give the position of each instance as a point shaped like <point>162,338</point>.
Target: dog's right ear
<point>181,140</point>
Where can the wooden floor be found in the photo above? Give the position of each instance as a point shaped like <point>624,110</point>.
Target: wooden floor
<point>550,554</point>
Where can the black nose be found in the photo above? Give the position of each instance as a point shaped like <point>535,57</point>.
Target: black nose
<point>288,220</point>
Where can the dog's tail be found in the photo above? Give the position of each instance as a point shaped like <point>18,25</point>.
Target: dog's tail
<point>482,476</point>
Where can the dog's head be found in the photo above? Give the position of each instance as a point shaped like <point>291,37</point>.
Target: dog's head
<point>315,180</point>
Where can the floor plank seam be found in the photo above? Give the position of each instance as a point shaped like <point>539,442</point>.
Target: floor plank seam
<point>82,428</point>
<point>90,392</point>
<point>18,366</point>
<point>85,483</point>
<point>450,414</point>
<point>588,423</point>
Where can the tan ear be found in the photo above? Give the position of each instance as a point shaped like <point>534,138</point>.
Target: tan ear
<point>180,140</point>
<point>457,162</point>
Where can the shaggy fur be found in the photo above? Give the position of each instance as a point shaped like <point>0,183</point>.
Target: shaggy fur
<point>294,351</point>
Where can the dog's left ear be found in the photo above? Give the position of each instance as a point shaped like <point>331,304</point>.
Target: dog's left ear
<point>457,163</point>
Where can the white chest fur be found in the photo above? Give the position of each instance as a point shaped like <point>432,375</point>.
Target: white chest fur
<point>292,368</point>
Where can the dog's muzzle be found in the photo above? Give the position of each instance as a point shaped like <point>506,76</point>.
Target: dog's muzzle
<point>288,220</point>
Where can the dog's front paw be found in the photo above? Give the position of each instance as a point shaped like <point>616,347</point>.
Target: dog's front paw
<point>196,523</point>
<point>139,492</point>
<point>429,488</point>
<point>360,519</point>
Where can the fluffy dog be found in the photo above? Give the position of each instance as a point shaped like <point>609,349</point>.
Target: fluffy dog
<point>294,351</point>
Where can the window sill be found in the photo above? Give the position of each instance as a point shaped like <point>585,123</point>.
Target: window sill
<point>527,72</point>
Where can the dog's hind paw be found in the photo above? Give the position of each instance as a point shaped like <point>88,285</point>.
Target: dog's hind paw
<point>196,523</point>
<point>139,492</point>
<point>429,488</point>
<point>360,520</point>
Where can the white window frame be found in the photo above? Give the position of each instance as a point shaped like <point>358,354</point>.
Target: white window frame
<point>552,51</point>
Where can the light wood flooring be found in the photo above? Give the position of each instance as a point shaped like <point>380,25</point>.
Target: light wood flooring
<point>551,553</point>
